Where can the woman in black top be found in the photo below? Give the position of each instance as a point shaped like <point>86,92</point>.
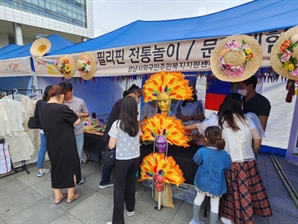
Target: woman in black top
<point>42,151</point>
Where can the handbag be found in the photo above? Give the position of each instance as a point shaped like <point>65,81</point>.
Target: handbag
<point>108,157</point>
<point>34,123</point>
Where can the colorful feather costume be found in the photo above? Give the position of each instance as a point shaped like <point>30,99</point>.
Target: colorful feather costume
<point>172,83</point>
<point>166,167</point>
<point>170,127</point>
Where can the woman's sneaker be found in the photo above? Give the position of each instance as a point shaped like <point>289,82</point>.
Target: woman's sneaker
<point>44,171</point>
<point>226,220</point>
<point>110,184</point>
<point>129,214</point>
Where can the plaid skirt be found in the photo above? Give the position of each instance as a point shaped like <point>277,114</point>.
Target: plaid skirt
<point>246,194</point>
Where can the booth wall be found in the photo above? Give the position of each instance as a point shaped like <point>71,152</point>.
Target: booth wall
<point>99,95</point>
<point>9,83</point>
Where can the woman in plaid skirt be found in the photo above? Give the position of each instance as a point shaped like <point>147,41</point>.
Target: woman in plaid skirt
<point>246,192</point>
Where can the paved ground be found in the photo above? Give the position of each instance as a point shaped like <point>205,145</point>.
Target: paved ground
<point>29,199</point>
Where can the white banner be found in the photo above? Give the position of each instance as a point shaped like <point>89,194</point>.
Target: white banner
<point>15,67</point>
<point>188,55</point>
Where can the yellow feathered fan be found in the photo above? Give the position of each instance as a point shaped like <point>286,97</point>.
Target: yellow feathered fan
<point>157,164</point>
<point>170,127</point>
<point>172,83</point>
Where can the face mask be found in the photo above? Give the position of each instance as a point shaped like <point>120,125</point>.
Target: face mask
<point>242,92</point>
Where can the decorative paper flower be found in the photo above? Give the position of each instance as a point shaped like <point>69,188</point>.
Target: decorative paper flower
<point>240,53</point>
<point>166,167</point>
<point>172,83</point>
<point>170,127</point>
<point>288,57</point>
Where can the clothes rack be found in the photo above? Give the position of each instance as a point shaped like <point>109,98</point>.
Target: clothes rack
<point>13,93</point>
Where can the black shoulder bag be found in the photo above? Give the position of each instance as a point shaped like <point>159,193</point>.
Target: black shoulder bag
<point>108,156</point>
<point>34,123</point>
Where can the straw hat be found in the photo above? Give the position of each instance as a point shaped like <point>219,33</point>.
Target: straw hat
<point>40,47</point>
<point>66,66</point>
<point>86,65</point>
<point>236,58</point>
<point>284,54</point>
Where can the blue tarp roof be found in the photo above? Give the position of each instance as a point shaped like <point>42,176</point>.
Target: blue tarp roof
<point>9,48</point>
<point>253,17</point>
<point>57,42</point>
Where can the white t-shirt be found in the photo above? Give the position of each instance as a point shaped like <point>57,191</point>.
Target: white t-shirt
<point>127,147</point>
<point>239,143</point>
<point>190,109</point>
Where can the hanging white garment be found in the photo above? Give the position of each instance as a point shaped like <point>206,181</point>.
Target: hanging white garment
<point>4,120</point>
<point>17,114</point>
<point>20,146</point>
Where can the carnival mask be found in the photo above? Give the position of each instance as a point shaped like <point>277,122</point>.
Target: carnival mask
<point>161,143</point>
<point>159,183</point>
<point>164,102</point>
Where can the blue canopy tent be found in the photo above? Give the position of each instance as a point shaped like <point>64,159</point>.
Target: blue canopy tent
<point>250,18</point>
<point>8,48</point>
<point>18,62</point>
<point>57,42</point>
<point>253,17</point>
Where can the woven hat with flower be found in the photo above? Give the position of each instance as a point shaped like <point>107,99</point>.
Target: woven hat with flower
<point>284,54</point>
<point>172,83</point>
<point>86,65</point>
<point>165,166</point>
<point>168,126</point>
<point>66,66</point>
<point>236,58</point>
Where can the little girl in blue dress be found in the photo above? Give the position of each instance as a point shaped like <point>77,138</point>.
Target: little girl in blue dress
<point>210,177</point>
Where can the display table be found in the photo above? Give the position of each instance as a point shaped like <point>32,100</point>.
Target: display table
<point>94,144</point>
<point>183,156</point>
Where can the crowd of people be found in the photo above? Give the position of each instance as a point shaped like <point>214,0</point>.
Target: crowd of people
<point>232,140</point>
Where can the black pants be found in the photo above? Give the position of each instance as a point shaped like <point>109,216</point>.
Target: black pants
<point>106,170</point>
<point>124,188</point>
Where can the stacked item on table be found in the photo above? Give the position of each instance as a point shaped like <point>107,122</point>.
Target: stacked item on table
<point>94,126</point>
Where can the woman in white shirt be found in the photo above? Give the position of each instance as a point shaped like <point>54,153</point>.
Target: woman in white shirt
<point>190,111</point>
<point>125,135</point>
<point>247,195</point>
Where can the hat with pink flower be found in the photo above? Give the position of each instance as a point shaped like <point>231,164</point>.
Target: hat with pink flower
<point>284,54</point>
<point>236,58</point>
<point>86,65</point>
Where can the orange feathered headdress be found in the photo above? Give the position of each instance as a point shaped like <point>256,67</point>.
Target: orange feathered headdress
<point>172,83</point>
<point>166,167</point>
<point>170,127</point>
